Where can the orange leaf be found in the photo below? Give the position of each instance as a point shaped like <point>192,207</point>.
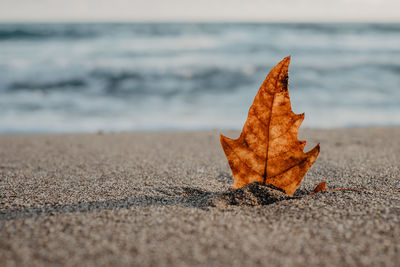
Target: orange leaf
<point>268,150</point>
<point>320,187</point>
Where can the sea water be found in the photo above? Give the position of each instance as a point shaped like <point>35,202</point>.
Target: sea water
<point>187,76</point>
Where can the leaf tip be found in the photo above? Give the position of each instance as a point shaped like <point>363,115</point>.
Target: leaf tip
<point>318,147</point>
<point>285,62</point>
<point>222,139</point>
<point>300,117</point>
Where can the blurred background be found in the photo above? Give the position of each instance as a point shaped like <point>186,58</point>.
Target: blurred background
<point>88,66</point>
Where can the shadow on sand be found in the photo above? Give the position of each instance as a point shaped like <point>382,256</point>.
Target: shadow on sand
<point>255,194</point>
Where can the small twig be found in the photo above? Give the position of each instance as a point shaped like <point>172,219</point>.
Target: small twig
<point>322,187</point>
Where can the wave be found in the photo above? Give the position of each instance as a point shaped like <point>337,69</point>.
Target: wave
<point>187,81</point>
<point>123,83</point>
<point>192,75</point>
<point>386,27</point>
<point>76,31</point>
<point>8,34</point>
<point>44,31</point>
<point>45,86</point>
<point>328,28</point>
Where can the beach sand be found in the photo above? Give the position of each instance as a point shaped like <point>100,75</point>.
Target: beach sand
<point>149,199</point>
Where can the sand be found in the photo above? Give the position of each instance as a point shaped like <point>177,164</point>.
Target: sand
<point>164,199</point>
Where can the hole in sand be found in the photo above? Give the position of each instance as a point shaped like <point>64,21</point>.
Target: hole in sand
<point>254,194</point>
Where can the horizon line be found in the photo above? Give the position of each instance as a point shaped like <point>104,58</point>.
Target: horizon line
<point>204,21</point>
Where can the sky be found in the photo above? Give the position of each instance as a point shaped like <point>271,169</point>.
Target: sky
<point>200,10</point>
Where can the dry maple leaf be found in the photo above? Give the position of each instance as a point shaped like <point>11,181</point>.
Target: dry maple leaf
<point>268,150</point>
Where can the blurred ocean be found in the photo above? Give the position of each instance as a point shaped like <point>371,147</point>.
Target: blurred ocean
<point>154,76</point>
